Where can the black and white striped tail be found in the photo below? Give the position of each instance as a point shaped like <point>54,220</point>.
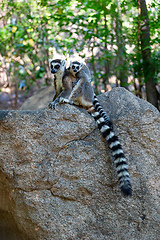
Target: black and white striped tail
<point>106,128</point>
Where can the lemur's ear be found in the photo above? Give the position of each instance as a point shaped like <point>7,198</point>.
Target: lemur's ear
<point>82,64</point>
<point>70,63</point>
<point>63,62</point>
<point>50,60</point>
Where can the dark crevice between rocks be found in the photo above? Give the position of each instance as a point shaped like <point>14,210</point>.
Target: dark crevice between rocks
<point>8,226</point>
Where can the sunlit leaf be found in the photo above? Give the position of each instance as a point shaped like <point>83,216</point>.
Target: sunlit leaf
<point>31,42</point>
<point>14,29</point>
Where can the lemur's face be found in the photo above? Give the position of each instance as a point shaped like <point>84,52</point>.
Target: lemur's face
<point>75,67</point>
<point>57,66</point>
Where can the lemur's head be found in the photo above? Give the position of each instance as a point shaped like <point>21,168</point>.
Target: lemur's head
<point>75,67</point>
<point>57,66</point>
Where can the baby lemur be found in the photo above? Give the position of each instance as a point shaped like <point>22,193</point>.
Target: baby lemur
<point>82,94</point>
<point>62,81</point>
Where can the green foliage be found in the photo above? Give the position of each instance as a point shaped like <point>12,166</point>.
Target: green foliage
<point>103,29</point>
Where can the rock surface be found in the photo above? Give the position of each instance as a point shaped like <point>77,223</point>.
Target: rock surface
<point>57,180</point>
<point>40,99</point>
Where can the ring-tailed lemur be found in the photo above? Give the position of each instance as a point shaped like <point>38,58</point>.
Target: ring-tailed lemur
<point>62,81</point>
<point>82,94</point>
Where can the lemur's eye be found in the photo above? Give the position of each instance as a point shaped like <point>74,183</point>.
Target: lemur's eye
<point>78,68</point>
<point>73,67</point>
<point>57,66</point>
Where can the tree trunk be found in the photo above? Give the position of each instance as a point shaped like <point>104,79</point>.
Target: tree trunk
<point>148,66</point>
<point>122,64</point>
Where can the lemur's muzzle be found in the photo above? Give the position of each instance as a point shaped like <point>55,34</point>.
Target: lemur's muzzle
<point>53,71</point>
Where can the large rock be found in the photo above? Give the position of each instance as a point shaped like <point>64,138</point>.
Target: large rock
<point>40,99</point>
<point>57,179</point>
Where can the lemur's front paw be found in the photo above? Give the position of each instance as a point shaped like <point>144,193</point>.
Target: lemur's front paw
<point>52,105</point>
<point>63,100</point>
<point>71,102</point>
